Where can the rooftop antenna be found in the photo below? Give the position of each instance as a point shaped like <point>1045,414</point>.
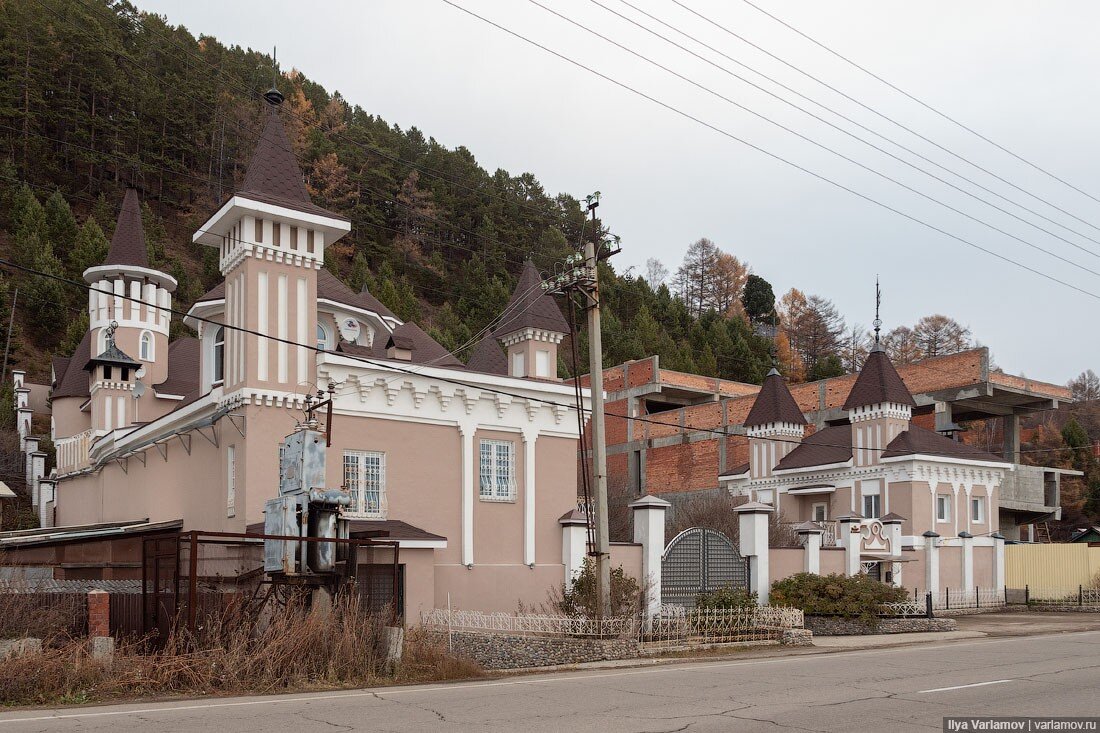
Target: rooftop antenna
<point>273,96</point>
<point>878,321</point>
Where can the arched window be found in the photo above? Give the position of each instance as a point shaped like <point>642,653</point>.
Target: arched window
<point>219,355</point>
<point>145,349</point>
<point>322,336</point>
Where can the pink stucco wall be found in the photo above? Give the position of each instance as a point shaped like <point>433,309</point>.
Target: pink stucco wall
<point>785,561</point>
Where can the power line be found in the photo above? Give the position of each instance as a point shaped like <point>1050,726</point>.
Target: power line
<point>890,119</point>
<point>378,364</point>
<point>840,155</point>
<point>852,121</point>
<point>775,156</point>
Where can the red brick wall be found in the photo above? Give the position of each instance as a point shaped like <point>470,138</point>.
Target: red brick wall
<point>686,467</point>
<point>99,613</point>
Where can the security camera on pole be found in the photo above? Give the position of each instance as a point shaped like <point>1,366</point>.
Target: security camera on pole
<point>580,274</point>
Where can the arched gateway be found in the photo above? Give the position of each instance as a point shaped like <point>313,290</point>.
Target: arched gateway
<point>699,560</point>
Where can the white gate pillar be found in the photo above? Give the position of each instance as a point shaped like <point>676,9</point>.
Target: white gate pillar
<point>574,544</point>
<point>649,532</point>
<point>811,534</point>
<point>932,562</point>
<point>753,519</point>
<point>998,561</point>
<point>850,526</point>
<point>967,541</point>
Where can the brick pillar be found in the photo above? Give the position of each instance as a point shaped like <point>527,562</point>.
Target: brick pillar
<point>99,613</point>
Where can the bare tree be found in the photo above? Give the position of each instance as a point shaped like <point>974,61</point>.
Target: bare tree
<point>655,272</point>
<point>854,348</point>
<point>902,346</point>
<point>1085,386</point>
<point>694,280</point>
<point>939,335</point>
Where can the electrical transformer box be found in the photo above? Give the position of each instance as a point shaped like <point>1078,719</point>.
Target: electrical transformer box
<point>285,516</point>
<point>302,462</point>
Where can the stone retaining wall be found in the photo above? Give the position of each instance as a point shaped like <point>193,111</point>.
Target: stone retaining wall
<point>514,651</point>
<point>837,626</point>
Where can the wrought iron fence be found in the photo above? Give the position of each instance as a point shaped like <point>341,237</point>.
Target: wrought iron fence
<point>951,599</point>
<point>673,626</point>
<point>1068,597</point>
<point>905,609</point>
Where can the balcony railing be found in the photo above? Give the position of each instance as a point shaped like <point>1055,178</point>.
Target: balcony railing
<point>72,452</point>
<point>828,538</point>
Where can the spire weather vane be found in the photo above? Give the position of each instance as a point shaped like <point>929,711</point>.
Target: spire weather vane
<point>273,96</point>
<point>878,304</point>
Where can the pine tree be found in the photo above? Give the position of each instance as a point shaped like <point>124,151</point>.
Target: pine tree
<point>61,227</point>
<point>46,297</point>
<point>154,235</point>
<point>89,250</point>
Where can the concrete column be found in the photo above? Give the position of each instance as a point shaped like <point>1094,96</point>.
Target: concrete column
<point>891,526</point>
<point>529,497</point>
<point>944,417</point>
<point>849,527</point>
<point>22,397</point>
<point>47,492</point>
<point>932,562</point>
<point>99,625</point>
<point>753,522</point>
<point>649,532</point>
<point>23,425</point>
<point>30,446</point>
<point>18,376</point>
<point>998,561</point>
<point>811,534</point>
<point>38,470</point>
<point>967,541</point>
<point>574,543</point>
<point>466,434</point>
<point>1012,438</point>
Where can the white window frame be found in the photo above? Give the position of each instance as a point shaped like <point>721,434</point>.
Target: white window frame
<point>497,477</point>
<point>542,363</point>
<point>977,502</point>
<point>231,481</point>
<point>323,337</point>
<point>217,355</point>
<point>946,518</point>
<point>356,477</point>
<point>824,511</point>
<point>519,364</point>
<point>146,346</point>
<point>868,489</point>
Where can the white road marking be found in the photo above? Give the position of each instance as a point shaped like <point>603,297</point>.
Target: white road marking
<point>963,687</point>
<point>379,692</point>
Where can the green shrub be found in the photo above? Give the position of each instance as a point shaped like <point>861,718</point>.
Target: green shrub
<point>579,599</point>
<point>726,598</point>
<point>858,596</point>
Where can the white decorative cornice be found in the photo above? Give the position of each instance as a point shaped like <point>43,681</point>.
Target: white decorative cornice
<point>532,334</point>
<point>785,429</point>
<point>881,410</point>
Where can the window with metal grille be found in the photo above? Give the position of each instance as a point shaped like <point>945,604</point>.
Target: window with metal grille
<point>498,476</point>
<point>365,479</point>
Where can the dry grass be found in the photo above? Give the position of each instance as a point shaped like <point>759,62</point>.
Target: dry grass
<point>288,648</point>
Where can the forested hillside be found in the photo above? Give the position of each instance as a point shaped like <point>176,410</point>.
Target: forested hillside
<point>96,96</point>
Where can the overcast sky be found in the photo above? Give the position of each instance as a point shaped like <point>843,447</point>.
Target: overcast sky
<point>1020,73</point>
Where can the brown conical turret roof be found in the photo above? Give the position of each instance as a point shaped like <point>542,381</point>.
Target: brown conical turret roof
<point>774,403</point>
<point>878,381</point>
<point>531,306</point>
<point>273,175</point>
<point>128,242</point>
<point>488,357</point>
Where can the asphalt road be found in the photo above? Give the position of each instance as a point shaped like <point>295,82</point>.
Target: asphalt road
<point>892,689</point>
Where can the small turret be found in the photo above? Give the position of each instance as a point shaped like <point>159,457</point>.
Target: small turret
<point>532,328</point>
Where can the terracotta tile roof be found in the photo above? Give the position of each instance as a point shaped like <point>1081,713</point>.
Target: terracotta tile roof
<point>74,383</point>
<point>918,440</point>
<point>531,307</point>
<point>877,382</point>
<point>273,175</point>
<point>488,357</point>
<point>774,403</point>
<point>827,446</point>
<point>183,368</point>
<point>128,242</point>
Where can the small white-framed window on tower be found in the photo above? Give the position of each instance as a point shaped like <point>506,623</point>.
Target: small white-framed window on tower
<point>872,498</point>
<point>943,507</point>
<point>542,363</point>
<point>977,510</point>
<point>498,470</point>
<point>519,366</point>
<point>231,481</point>
<point>365,480</point>
<point>322,337</point>
<point>145,346</point>
<point>217,356</point>
<point>819,512</point>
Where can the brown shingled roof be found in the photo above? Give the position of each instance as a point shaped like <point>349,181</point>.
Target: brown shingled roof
<point>128,242</point>
<point>825,447</point>
<point>74,383</point>
<point>531,307</point>
<point>488,357</point>
<point>425,349</point>
<point>273,175</point>
<point>183,368</point>
<point>774,403</point>
<point>878,381</point>
<point>917,440</point>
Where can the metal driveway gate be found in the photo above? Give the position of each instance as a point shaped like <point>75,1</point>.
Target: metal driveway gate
<point>700,560</point>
